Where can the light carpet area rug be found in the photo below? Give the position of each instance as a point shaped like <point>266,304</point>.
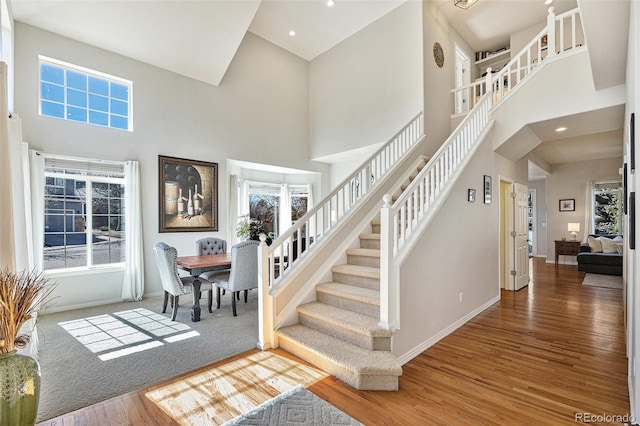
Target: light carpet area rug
<point>600,280</point>
<point>294,408</point>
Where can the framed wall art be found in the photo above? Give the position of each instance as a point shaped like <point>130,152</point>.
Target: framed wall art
<point>567,205</point>
<point>188,195</point>
<point>487,189</point>
<point>471,195</point>
<point>632,142</point>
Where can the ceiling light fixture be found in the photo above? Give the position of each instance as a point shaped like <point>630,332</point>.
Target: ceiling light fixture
<point>292,33</point>
<point>464,4</point>
<point>561,129</point>
<point>548,1</point>
<point>330,3</point>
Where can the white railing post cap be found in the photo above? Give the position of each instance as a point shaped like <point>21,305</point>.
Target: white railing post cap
<point>387,198</point>
<point>263,238</point>
<point>550,10</point>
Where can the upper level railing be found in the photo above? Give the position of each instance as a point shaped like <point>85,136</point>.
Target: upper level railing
<point>306,232</point>
<point>563,32</point>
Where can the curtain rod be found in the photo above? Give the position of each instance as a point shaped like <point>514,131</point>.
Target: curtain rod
<point>79,159</point>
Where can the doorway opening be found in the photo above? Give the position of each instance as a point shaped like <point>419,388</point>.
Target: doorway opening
<point>462,78</point>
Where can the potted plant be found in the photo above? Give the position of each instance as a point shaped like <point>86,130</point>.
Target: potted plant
<point>22,294</point>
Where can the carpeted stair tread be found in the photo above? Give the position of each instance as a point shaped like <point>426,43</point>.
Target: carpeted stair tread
<point>343,318</point>
<point>364,252</point>
<point>357,270</point>
<point>352,292</point>
<point>367,236</point>
<point>350,357</point>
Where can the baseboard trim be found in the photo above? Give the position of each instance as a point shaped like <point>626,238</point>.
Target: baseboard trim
<point>408,356</point>
<point>52,309</point>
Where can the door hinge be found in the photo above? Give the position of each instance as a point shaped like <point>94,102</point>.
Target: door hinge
<point>514,273</point>
<point>513,195</point>
<point>513,233</point>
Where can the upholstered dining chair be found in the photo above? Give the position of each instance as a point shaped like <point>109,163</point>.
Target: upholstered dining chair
<point>173,284</point>
<point>211,245</point>
<point>243,274</point>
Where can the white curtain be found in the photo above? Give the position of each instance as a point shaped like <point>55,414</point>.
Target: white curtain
<point>243,204</point>
<point>7,249</point>
<point>36,165</point>
<point>588,211</point>
<point>133,282</point>
<point>285,209</point>
<point>234,206</point>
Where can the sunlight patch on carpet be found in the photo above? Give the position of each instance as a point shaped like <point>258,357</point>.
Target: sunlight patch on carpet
<point>219,394</point>
<point>126,332</point>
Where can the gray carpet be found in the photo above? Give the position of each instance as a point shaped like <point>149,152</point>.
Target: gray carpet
<point>600,280</point>
<point>294,408</point>
<point>73,375</point>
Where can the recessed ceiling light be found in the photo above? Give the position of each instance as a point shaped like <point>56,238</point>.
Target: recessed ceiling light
<point>330,3</point>
<point>561,129</point>
<point>292,33</point>
<point>548,1</point>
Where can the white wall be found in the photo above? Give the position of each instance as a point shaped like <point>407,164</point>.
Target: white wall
<point>569,181</point>
<point>632,272</point>
<point>365,89</point>
<point>438,82</point>
<point>259,113</point>
<point>455,255</point>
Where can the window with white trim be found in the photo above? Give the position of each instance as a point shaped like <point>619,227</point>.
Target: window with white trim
<point>265,207</point>
<point>83,214</point>
<point>79,94</point>
<point>607,208</point>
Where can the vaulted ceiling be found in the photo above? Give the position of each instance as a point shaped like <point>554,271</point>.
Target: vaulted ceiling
<point>199,38</point>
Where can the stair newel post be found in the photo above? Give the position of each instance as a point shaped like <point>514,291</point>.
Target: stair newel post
<point>388,281</point>
<point>551,33</point>
<point>266,334</point>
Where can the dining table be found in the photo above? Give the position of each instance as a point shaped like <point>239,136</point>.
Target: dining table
<point>196,265</point>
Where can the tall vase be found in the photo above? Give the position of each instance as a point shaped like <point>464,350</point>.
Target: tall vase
<point>19,389</point>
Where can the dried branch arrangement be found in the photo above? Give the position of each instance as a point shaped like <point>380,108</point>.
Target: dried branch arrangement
<point>22,294</point>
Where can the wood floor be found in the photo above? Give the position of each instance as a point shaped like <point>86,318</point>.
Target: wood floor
<point>541,356</point>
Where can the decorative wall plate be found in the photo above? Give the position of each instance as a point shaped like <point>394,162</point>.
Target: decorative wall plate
<point>438,54</point>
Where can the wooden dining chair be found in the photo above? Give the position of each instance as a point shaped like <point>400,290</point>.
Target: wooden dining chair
<point>243,274</point>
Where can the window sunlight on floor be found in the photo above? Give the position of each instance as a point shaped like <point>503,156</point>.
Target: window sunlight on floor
<point>126,331</point>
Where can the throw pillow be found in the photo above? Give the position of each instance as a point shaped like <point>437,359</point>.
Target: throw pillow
<point>595,244</point>
<point>608,246</point>
<point>619,244</point>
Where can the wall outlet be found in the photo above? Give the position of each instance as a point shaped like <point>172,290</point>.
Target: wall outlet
<point>460,297</point>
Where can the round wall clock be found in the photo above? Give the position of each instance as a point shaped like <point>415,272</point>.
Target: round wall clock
<point>438,54</point>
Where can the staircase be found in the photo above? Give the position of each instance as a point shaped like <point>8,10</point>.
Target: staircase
<point>339,332</point>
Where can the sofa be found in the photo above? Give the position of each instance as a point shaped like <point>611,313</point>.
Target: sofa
<point>601,254</point>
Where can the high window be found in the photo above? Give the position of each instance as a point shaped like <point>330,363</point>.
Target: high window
<point>79,94</point>
<point>607,206</point>
<point>84,214</point>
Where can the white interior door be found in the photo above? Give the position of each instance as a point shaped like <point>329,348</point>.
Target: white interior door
<point>462,78</point>
<point>521,235</point>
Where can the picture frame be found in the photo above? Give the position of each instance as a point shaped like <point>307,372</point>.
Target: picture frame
<point>486,185</point>
<point>632,220</point>
<point>188,195</point>
<point>567,205</point>
<point>625,189</point>
<point>471,195</point>
<point>632,143</point>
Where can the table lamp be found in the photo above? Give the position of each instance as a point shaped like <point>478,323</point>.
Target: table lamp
<point>573,228</point>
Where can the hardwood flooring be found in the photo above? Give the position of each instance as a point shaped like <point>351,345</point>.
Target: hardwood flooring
<point>541,356</point>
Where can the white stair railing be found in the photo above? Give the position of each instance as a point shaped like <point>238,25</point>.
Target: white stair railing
<point>415,207</point>
<point>563,32</point>
<point>420,201</point>
<point>276,261</point>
